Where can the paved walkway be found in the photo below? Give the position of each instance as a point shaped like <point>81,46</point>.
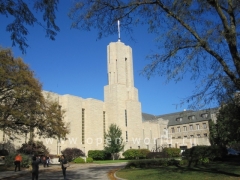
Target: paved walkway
<point>12,174</point>
<point>76,171</point>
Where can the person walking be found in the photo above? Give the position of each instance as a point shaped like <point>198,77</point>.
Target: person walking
<point>63,162</point>
<point>17,162</point>
<point>35,168</point>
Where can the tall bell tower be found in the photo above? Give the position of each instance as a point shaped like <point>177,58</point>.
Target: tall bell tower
<point>120,95</point>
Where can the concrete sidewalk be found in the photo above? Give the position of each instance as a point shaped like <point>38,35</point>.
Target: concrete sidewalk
<point>25,171</point>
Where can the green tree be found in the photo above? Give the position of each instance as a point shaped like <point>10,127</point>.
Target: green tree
<point>199,38</point>
<point>22,105</point>
<point>114,141</point>
<point>22,15</point>
<point>226,130</point>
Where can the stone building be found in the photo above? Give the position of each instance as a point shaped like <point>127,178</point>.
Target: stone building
<point>89,118</point>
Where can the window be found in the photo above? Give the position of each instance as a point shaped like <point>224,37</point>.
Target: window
<point>197,125</point>
<point>178,129</point>
<point>198,135</point>
<point>125,117</point>
<point>191,117</point>
<point>191,136</point>
<point>204,126</point>
<point>173,131</point>
<point>104,125</point>
<point>179,119</point>
<point>205,134</point>
<point>191,127</point>
<point>185,137</point>
<point>184,128</point>
<point>126,136</point>
<point>173,137</point>
<point>83,126</point>
<point>205,115</point>
<point>179,137</point>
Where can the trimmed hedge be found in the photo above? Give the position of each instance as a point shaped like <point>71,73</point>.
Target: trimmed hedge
<point>99,155</point>
<point>203,154</point>
<point>172,152</point>
<point>150,163</point>
<point>79,160</point>
<point>89,160</point>
<point>136,153</point>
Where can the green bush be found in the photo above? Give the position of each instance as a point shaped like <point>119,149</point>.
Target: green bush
<point>26,160</point>
<point>79,160</point>
<point>72,153</point>
<point>147,163</point>
<point>89,160</point>
<point>4,152</point>
<point>99,155</point>
<point>202,154</point>
<point>136,153</point>
<point>172,152</point>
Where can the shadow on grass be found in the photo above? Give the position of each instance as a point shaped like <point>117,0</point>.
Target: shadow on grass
<point>212,168</point>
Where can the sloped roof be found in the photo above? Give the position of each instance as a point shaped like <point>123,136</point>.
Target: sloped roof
<point>183,117</point>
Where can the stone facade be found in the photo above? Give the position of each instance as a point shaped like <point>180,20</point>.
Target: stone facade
<point>89,118</point>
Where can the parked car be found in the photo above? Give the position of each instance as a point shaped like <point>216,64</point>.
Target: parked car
<point>233,152</point>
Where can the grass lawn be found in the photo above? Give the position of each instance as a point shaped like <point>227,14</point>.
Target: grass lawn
<point>109,161</point>
<point>216,170</point>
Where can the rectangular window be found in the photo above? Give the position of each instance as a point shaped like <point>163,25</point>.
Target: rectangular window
<point>178,129</point>
<point>184,128</point>
<point>191,127</point>
<point>179,137</point>
<point>197,125</point>
<point>191,136</point>
<point>125,117</point>
<point>173,131</point>
<point>126,136</point>
<point>104,123</point>
<point>204,126</point>
<point>83,126</point>
<point>205,135</point>
<point>198,135</point>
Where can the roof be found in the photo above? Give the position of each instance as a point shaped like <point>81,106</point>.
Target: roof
<point>183,117</point>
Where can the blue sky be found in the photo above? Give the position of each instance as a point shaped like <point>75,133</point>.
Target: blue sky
<point>76,63</point>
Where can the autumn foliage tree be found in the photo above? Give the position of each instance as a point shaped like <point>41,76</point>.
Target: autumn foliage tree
<point>22,105</point>
<point>196,38</point>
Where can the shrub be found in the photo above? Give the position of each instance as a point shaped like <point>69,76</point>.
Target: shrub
<point>202,154</point>
<point>89,160</point>
<point>99,155</point>
<point>72,153</point>
<point>79,160</point>
<point>26,160</point>
<point>136,153</point>
<point>172,152</point>
<point>147,163</point>
<point>4,152</point>
<point>33,147</point>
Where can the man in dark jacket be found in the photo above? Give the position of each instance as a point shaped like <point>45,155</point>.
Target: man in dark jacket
<point>35,168</point>
<point>63,162</point>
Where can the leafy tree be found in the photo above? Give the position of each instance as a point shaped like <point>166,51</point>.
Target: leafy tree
<point>33,148</point>
<point>72,153</point>
<point>196,37</point>
<point>22,105</point>
<point>114,141</point>
<point>226,130</point>
<point>22,13</point>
